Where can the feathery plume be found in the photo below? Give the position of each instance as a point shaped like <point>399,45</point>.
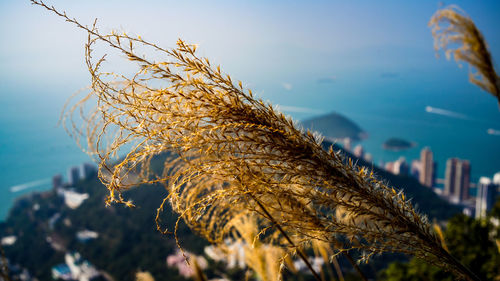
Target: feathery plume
<point>452,27</point>
<point>233,155</point>
<point>266,260</point>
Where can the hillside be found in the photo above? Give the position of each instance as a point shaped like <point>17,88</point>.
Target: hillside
<point>335,126</point>
<point>128,240</point>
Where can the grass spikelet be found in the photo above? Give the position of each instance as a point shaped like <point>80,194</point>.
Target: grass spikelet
<point>233,155</point>
<point>144,276</point>
<point>439,232</point>
<point>455,33</point>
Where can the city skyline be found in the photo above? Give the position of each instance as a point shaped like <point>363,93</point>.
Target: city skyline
<point>456,182</point>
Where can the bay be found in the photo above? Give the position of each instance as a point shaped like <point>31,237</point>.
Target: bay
<point>33,147</point>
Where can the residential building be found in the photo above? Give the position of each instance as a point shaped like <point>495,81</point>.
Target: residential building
<point>57,181</point>
<point>79,269</point>
<point>88,170</point>
<point>428,173</point>
<point>389,167</point>
<point>496,179</point>
<point>73,175</point>
<point>400,167</point>
<point>86,235</point>
<point>359,151</point>
<point>347,144</point>
<point>369,158</point>
<point>415,169</point>
<point>457,180</point>
<point>463,179</point>
<point>486,195</point>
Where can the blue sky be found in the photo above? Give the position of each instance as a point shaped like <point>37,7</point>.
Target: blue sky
<point>259,42</point>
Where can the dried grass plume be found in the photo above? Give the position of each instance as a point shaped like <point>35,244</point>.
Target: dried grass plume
<point>455,33</point>
<point>231,155</point>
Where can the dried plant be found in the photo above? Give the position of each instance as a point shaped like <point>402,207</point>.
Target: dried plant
<point>232,155</point>
<point>451,27</point>
<point>325,250</point>
<point>143,276</point>
<point>266,260</point>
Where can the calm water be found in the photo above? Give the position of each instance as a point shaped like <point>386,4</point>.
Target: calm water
<point>33,148</point>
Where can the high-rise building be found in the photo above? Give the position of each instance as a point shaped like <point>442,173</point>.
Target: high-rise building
<point>389,167</point>
<point>428,171</point>
<point>359,151</point>
<point>456,181</point>
<point>87,170</point>
<point>486,195</point>
<point>415,168</point>
<point>400,167</point>
<point>463,179</point>
<point>347,144</point>
<point>57,181</point>
<point>449,176</point>
<point>369,157</point>
<point>73,175</point>
<point>496,179</point>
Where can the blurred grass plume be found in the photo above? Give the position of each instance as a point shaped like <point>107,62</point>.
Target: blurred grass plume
<point>455,32</point>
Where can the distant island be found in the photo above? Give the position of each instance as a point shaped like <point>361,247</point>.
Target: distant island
<point>334,126</point>
<point>397,144</point>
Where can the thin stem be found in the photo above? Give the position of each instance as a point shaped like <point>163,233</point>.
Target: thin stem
<point>355,265</point>
<point>346,254</point>
<point>337,268</point>
<point>282,231</point>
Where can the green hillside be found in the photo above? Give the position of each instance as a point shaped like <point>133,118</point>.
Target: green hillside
<point>128,240</point>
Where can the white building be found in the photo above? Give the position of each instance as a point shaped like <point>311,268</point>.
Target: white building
<point>485,198</point>
<point>359,151</point>
<point>81,269</point>
<point>74,199</point>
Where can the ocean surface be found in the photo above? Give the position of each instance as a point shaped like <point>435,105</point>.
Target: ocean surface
<point>452,121</point>
<point>33,147</point>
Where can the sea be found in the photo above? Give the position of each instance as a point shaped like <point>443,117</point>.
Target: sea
<point>459,121</point>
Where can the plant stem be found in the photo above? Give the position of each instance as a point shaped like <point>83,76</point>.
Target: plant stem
<point>355,265</point>
<point>282,231</point>
<point>304,258</point>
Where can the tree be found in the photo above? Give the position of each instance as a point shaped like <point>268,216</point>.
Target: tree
<point>472,241</point>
